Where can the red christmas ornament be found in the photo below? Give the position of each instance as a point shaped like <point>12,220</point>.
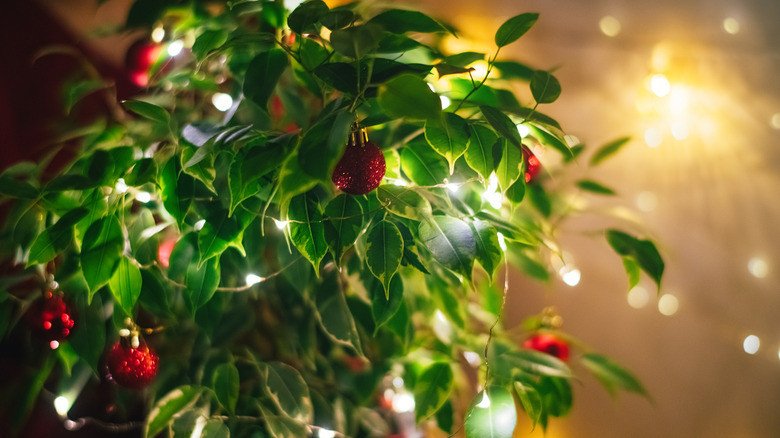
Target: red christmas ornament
<point>52,318</point>
<point>550,344</point>
<point>165,249</point>
<point>132,367</point>
<point>140,58</point>
<point>532,164</point>
<point>362,166</point>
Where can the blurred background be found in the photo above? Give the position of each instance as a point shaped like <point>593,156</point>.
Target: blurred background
<point>695,84</point>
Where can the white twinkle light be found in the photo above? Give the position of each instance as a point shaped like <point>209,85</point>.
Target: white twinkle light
<point>158,34</point>
<point>758,267</point>
<point>751,344</point>
<point>252,279</point>
<point>659,85</point>
<point>485,402</point>
<point>501,241</point>
<point>197,226</point>
<point>731,25</point>
<point>54,345</point>
<point>399,182</point>
<point>638,297</point>
<point>610,26</point>
<point>222,101</point>
<point>473,358</point>
<point>403,402</point>
<point>62,405</point>
<point>398,382</point>
<point>445,102</point>
<point>121,186</point>
<point>175,48</point>
<point>523,130</point>
<point>143,197</point>
<point>571,276</point>
<point>280,224</point>
<point>668,305</point>
<point>325,433</point>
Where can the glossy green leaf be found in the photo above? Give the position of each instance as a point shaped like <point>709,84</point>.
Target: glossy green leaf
<point>10,186</point>
<point>404,202</point>
<point>539,198</point>
<point>90,338</point>
<point>125,284</point>
<point>356,41</point>
<point>401,21</point>
<point>508,170</point>
<point>76,92</point>
<point>445,417</point>
<point>449,136</point>
<point>555,141</point>
<point>149,111</point>
<point>384,250</point>
<point>489,253</point>
<point>545,87</point>
<point>512,29</point>
<point>215,428</point>
<point>343,224</point>
<point>312,54</point>
<point>632,270</point>
<point>292,179</point>
<point>556,396</point>
<point>219,232</point>
<point>396,43</point>
<point>491,414</point>
<point>202,282</point>
<point>303,18</point>
<point>384,305</point>
<point>279,426</point>
<point>479,154</point>
<point>432,389</point>
<point>143,171</point>
<point>643,252</point>
<point>594,187</point>
<point>516,192</point>
<point>337,19</point>
<point>451,242</point>
<point>339,75</point>
<point>334,315</point>
<point>154,297</point>
<point>262,75</point>
<point>531,266</point>
<point>55,238</point>
<point>611,374</point>
<point>289,391</point>
<point>226,384</point>
<point>608,150</point>
<point>307,230</point>
<point>323,144</point>
<point>168,407</point>
<point>178,189</point>
<point>514,70</point>
<point>502,124</point>
<point>530,400</point>
<point>207,41</point>
<point>422,164</point>
<point>408,96</point>
<point>101,251</point>
<point>535,362</point>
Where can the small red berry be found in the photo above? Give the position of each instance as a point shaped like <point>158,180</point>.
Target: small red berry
<point>360,169</point>
<point>52,318</point>
<point>130,367</point>
<point>532,164</point>
<point>550,344</point>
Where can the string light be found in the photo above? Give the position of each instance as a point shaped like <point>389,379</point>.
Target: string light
<point>731,25</point>
<point>668,304</point>
<point>660,85</point>
<point>280,224</point>
<point>252,279</point>
<point>638,297</point>
<point>523,130</point>
<point>758,267</point>
<point>403,402</point>
<point>485,402</point>
<point>222,101</point>
<point>610,26</point>
<point>646,201</point>
<point>445,101</point>
<point>175,48</point>
<point>143,197</point>
<point>501,241</point>
<point>398,382</point>
<point>491,194</point>
<point>325,433</point>
<point>62,405</point>
<point>653,137</point>
<point>197,226</point>
<point>473,358</point>
<point>751,344</point>
<point>121,186</point>
<point>54,345</point>
<point>158,34</point>
<point>570,276</point>
<point>775,121</point>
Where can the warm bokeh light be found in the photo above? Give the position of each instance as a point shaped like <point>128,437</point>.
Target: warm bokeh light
<point>222,101</point>
<point>143,197</point>
<point>571,276</point>
<point>646,201</point>
<point>654,137</point>
<point>610,26</point>
<point>485,402</point>
<point>403,402</point>
<point>253,279</point>
<point>758,267</point>
<point>638,297</point>
<point>158,34</point>
<point>680,130</point>
<point>731,25</point>
<point>445,102</point>
<point>660,85</point>
<point>775,121</point>
<point>668,304</point>
<point>751,344</point>
<point>62,405</point>
<point>175,48</point>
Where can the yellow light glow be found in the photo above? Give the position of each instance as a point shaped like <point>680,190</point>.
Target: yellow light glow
<point>731,25</point>
<point>252,279</point>
<point>653,137</point>
<point>485,402</point>
<point>660,85</point>
<point>62,405</point>
<point>403,402</point>
<point>445,101</point>
<point>571,276</point>
<point>158,34</point>
<point>610,26</point>
<point>222,101</point>
<point>646,201</point>
<point>325,433</point>
<point>678,100</point>
<point>143,197</point>
<point>638,297</point>
<point>668,304</point>
<point>175,48</point>
<point>280,224</point>
<point>680,130</point>
<point>523,130</point>
<point>480,70</point>
<point>661,57</point>
<point>758,267</point>
<point>751,344</point>
<point>775,122</point>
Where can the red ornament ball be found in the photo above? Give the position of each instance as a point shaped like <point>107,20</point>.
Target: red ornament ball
<point>550,344</point>
<point>532,164</point>
<point>52,318</point>
<point>360,169</point>
<point>130,367</point>
<point>140,58</point>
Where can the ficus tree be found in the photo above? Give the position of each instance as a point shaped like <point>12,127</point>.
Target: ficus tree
<point>301,226</point>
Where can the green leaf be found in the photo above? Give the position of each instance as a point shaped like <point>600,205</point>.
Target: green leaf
<point>343,225</point>
<point>289,391</point>
<point>549,139</point>
<point>508,170</point>
<point>536,362</point>
<point>101,251</point>
<point>545,87</point>
<point>451,242</point>
<point>307,230</point>
<point>400,21</point>
<point>149,111</point>
<point>408,96</point>
<point>82,89</point>
<point>489,253</point>
<point>514,70</point>
<point>303,18</point>
<point>422,164</point>
<point>530,400</point>
<point>491,414</point>
<point>334,315</point>
<point>445,417</point>
<point>643,252</point>
<point>338,18</point>
<point>594,187</point>
<point>208,41</point>
<point>125,284</point>
<point>356,41</point>
<point>215,428</point>
<point>323,144</point>
<point>384,305</point>
<point>202,282</point>
<point>178,189</point>
<point>432,389</point>
<point>10,186</point>
<point>168,407</point>
<point>312,54</point>
<point>479,154</point>
<point>395,43</point>
<point>226,384</point>
<point>449,136</point>
<point>539,199</point>
<point>55,238</point>
<point>262,74</point>
<point>608,150</point>
<point>154,297</point>
<point>502,124</point>
<point>404,202</point>
<point>292,179</point>
<point>90,338</point>
<point>612,375</point>
<point>220,232</point>
<point>514,28</point>
<point>143,171</point>
<point>339,75</point>
<point>278,426</point>
<point>384,250</point>
<point>632,270</point>
<point>532,267</point>
<point>464,58</point>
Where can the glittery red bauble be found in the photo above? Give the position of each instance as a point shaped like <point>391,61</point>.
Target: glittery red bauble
<point>52,317</point>
<point>360,169</point>
<point>132,367</point>
<point>550,344</point>
<point>532,164</point>
<point>140,58</point>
